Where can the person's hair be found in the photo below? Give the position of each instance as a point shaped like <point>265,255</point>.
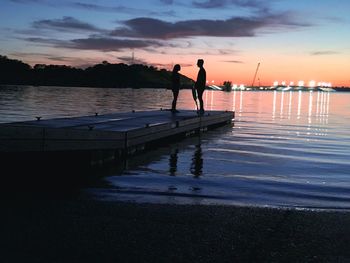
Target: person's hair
<point>200,62</point>
<point>177,67</point>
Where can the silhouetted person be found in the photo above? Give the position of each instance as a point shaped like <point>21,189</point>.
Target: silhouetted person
<point>175,79</point>
<point>200,84</point>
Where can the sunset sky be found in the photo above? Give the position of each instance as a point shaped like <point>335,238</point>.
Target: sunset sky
<point>293,40</point>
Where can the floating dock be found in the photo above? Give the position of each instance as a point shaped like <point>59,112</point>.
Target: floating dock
<point>116,134</point>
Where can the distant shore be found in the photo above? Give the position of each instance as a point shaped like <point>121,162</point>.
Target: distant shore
<point>91,231</point>
<point>105,74</point>
<point>338,89</point>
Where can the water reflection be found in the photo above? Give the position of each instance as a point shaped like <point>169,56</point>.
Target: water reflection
<point>309,108</point>
<point>173,161</point>
<point>196,165</point>
<point>197,162</point>
<point>290,104</point>
<point>299,104</point>
<point>234,100</point>
<point>286,149</point>
<point>274,105</point>
<point>241,103</point>
<point>282,104</point>
<point>322,107</point>
<point>22,103</point>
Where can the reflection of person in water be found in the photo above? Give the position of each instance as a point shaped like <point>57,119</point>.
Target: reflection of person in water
<point>173,162</point>
<point>175,79</point>
<point>197,162</point>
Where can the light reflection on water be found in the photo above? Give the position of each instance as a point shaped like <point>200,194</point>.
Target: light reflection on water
<point>286,149</point>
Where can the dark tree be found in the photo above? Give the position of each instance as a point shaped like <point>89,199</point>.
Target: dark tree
<point>227,85</point>
<point>100,75</point>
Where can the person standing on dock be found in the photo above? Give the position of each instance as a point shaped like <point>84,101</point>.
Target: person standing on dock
<point>175,79</point>
<point>200,84</point>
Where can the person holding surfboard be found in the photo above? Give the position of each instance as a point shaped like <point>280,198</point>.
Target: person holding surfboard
<point>200,84</point>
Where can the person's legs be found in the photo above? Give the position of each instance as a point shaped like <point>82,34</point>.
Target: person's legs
<point>175,94</point>
<point>200,98</point>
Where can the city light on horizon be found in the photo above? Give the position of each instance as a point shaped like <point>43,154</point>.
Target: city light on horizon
<point>301,83</point>
<point>312,83</point>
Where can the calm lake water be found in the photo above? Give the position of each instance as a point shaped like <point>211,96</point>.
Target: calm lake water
<point>284,149</point>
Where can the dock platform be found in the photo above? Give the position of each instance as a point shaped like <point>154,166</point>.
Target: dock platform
<point>116,133</point>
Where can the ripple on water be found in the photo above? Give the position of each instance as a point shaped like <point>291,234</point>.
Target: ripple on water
<point>283,150</point>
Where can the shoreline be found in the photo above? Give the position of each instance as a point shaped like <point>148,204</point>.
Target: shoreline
<point>188,87</point>
<point>105,231</point>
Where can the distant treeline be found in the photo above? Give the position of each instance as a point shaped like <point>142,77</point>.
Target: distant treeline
<point>342,89</point>
<point>16,72</point>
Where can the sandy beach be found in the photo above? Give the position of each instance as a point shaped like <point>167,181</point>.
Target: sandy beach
<point>94,231</point>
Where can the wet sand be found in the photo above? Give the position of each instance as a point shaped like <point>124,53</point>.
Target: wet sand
<point>93,231</point>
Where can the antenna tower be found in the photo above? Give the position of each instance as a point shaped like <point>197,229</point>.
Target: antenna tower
<point>256,72</point>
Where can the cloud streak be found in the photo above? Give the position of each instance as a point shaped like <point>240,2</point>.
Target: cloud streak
<point>208,4</point>
<point>119,9</point>
<point>234,61</point>
<point>66,23</point>
<point>95,43</point>
<point>92,7</point>
<point>102,8</point>
<point>167,2</point>
<point>323,53</point>
<point>110,44</point>
<point>233,27</point>
<point>27,1</point>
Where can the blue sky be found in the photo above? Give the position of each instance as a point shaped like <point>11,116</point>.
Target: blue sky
<point>231,35</point>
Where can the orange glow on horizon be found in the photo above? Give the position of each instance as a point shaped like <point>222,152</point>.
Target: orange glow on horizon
<point>291,70</point>
<point>272,67</point>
